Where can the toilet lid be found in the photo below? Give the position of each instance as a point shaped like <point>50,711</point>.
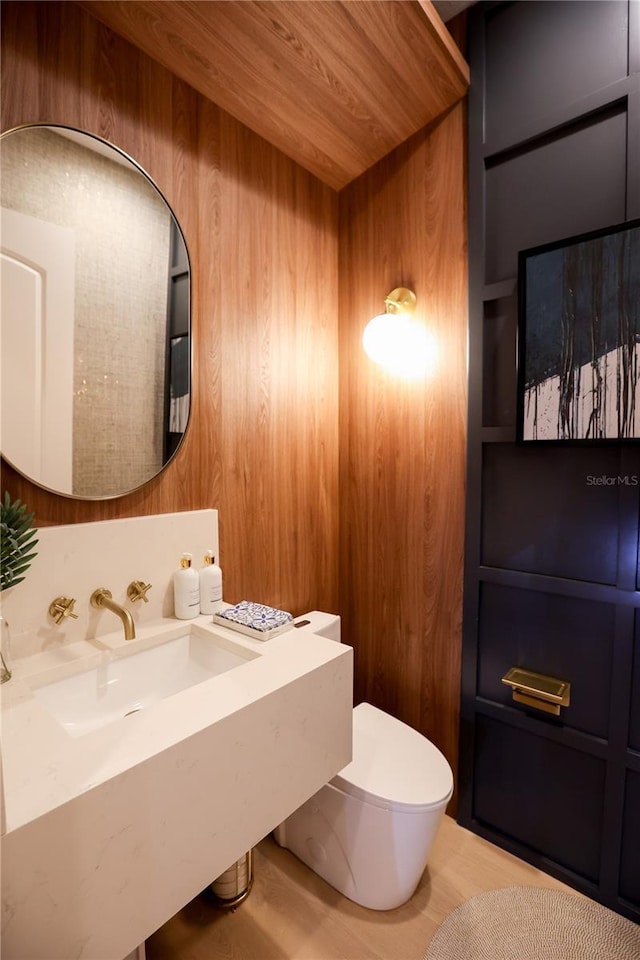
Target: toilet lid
<point>393,765</point>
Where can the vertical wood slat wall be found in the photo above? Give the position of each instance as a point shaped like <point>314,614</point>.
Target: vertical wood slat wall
<point>263,444</point>
<point>403,443</point>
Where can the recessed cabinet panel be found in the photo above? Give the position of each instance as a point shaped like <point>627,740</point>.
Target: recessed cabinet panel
<point>630,860</point>
<point>634,716</point>
<point>499,362</point>
<point>526,788</point>
<point>559,636</point>
<point>553,537</point>
<point>548,510</point>
<point>553,54</point>
<point>560,187</point>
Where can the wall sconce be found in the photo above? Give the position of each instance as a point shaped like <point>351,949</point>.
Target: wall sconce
<point>395,340</point>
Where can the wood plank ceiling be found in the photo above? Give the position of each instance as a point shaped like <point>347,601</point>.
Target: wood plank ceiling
<point>335,85</point>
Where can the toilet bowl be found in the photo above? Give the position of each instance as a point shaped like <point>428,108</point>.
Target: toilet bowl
<point>369,831</point>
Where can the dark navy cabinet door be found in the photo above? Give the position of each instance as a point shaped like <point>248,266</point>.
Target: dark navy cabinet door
<point>552,575</point>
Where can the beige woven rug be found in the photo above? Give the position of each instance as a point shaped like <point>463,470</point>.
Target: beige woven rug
<point>533,923</point>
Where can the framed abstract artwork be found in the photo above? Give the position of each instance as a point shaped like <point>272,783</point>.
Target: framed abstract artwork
<point>579,338</point>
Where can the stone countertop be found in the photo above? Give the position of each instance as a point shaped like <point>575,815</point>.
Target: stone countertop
<point>44,766</point>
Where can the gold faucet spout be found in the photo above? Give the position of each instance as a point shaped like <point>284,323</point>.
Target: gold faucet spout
<point>102,598</point>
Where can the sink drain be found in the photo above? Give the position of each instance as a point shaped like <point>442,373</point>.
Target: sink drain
<point>135,710</point>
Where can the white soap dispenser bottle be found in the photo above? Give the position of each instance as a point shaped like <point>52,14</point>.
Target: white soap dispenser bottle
<point>186,590</point>
<point>210,585</point>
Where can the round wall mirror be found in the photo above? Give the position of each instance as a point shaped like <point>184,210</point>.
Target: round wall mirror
<point>95,316</point>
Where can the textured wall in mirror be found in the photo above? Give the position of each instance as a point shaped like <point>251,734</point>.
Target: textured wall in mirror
<point>120,230</point>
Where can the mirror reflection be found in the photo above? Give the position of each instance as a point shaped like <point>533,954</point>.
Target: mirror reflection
<point>95,387</point>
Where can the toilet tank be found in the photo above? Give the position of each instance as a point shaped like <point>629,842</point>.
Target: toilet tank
<point>324,624</point>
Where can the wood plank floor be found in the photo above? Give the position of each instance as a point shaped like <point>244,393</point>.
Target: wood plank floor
<point>291,914</point>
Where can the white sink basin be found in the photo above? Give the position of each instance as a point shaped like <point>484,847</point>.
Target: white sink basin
<point>125,684</point>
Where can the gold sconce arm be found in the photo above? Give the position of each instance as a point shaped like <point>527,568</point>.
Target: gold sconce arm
<point>538,690</point>
<point>400,300</point>
<point>137,590</point>
<point>61,608</point>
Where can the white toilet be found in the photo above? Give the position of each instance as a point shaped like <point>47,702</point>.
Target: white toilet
<point>369,831</point>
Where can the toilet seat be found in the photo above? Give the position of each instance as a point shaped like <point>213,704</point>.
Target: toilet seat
<point>394,766</point>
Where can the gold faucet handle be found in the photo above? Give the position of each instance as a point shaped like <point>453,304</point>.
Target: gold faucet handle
<point>137,590</point>
<point>61,608</point>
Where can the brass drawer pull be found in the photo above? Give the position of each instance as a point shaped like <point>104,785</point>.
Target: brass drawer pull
<point>538,690</point>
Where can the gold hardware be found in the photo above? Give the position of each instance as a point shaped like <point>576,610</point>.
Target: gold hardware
<point>400,300</point>
<point>538,690</point>
<point>5,671</point>
<point>137,590</point>
<point>102,598</point>
<point>5,658</point>
<point>62,607</point>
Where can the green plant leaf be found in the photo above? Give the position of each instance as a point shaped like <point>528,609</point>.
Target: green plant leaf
<point>17,539</point>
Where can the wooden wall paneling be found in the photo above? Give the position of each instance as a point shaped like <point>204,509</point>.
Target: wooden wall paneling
<point>335,85</point>
<point>207,460</point>
<point>402,442</point>
<point>279,277</point>
<point>240,203</point>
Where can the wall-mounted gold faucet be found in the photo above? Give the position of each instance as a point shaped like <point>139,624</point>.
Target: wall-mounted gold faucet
<point>102,598</point>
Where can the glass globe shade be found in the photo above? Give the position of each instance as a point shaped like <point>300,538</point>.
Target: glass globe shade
<point>399,344</point>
